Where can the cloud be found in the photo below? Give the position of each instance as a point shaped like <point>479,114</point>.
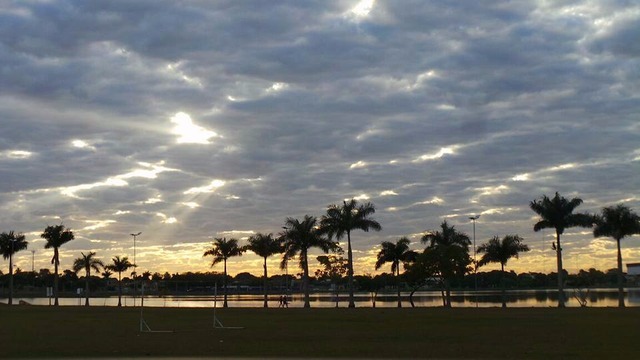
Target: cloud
<point>187,120</point>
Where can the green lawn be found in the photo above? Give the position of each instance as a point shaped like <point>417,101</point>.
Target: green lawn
<point>549,333</point>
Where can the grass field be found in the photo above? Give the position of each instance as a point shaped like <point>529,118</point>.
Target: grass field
<point>46,332</point>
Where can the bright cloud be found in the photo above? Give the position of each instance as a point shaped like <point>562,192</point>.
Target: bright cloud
<point>215,184</point>
<point>190,133</point>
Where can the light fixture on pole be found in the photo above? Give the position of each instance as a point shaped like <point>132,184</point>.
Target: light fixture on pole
<point>33,261</point>
<point>134,266</point>
<point>475,262</point>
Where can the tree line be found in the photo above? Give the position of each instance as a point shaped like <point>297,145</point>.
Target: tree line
<point>444,260</point>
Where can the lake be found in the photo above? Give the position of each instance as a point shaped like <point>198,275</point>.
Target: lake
<point>515,298</point>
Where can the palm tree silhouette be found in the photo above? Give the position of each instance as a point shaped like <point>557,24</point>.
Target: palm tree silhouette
<point>450,250</point>
<point>56,236</point>
<point>11,243</point>
<point>299,237</point>
<point>395,253</point>
<point>222,250</point>
<point>557,213</point>
<point>119,265</point>
<point>87,262</point>
<point>617,222</point>
<point>500,251</point>
<point>340,221</point>
<point>265,246</point>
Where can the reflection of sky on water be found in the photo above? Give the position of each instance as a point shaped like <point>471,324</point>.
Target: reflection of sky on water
<point>519,298</point>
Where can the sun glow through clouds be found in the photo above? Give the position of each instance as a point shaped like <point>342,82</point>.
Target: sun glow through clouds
<point>207,188</point>
<point>190,133</point>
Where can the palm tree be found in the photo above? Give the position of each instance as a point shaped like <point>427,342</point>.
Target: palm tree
<point>11,243</point>
<point>299,237</point>
<point>222,250</point>
<point>395,253</point>
<point>340,221</point>
<point>557,213</point>
<point>617,222</point>
<point>265,246</point>
<point>87,262</point>
<point>500,251</point>
<point>119,265</point>
<point>56,236</point>
<point>450,250</point>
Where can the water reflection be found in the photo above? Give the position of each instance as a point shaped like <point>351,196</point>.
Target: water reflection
<point>515,298</point>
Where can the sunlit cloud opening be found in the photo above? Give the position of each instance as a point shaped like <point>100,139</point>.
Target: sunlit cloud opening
<point>16,154</point>
<point>360,197</point>
<point>433,201</point>
<point>450,150</point>
<point>388,193</point>
<point>154,200</point>
<point>277,87</point>
<point>166,219</point>
<point>359,164</point>
<point>191,204</point>
<point>81,144</point>
<point>206,189</point>
<point>361,10</point>
<point>97,224</point>
<point>72,190</point>
<point>520,177</point>
<point>190,133</point>
<point>119,180</point>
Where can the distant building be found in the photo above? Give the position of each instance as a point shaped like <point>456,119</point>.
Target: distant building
<point>633,269</point>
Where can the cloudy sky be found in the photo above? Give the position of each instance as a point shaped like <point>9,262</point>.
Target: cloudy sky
<point>196,119</point>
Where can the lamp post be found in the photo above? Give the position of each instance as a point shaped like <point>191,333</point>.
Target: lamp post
<point>33,261</point>
<point>134,266</point>
<point>475,262</point>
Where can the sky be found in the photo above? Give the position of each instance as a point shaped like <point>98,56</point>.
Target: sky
<point>191,120</point>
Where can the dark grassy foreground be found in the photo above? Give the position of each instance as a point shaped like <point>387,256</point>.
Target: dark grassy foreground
<point>46,332</point>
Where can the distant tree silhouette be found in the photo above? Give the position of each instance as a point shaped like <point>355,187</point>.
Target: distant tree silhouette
<point>56,236</point>
<point>557,213</point>
<point>11,243</point>
<point>299,237</point>
<point>265,245</point>
<point>119,265</point>
<point>395,253</point>
<point>617,222</point>
<point>449,249</point>
<point>340,221</point>
<point>86,263</point>
<point>221,250</point>
<point>500,251</point>
<point>334,268</point>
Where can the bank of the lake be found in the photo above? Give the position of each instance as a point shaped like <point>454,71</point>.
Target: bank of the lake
<point>525,333</point>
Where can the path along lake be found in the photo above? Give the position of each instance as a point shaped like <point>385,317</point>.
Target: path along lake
<point>515,298</point>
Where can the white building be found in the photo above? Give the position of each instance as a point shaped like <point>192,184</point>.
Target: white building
<point>633,269</point>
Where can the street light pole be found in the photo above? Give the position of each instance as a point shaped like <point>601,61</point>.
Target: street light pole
<point>475,261</point>
<point>134,266</point>
<point>33,261</point>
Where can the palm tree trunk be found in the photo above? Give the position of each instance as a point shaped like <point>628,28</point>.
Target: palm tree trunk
<point>502,285</point>
<point>447,288</point>
<point>10,279</point>
<point>305,278</point>
<point>352,303</point>
<point>55,277</point>
<point>620,288</point>
<point>224,284</point>
<point>560,273</point>
<point>86,289</point>
<point>264,285</point>
<point>119,288</point>
<point>398,284</point>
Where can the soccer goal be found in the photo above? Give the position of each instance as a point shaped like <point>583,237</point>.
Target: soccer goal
<point>217,324</point>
